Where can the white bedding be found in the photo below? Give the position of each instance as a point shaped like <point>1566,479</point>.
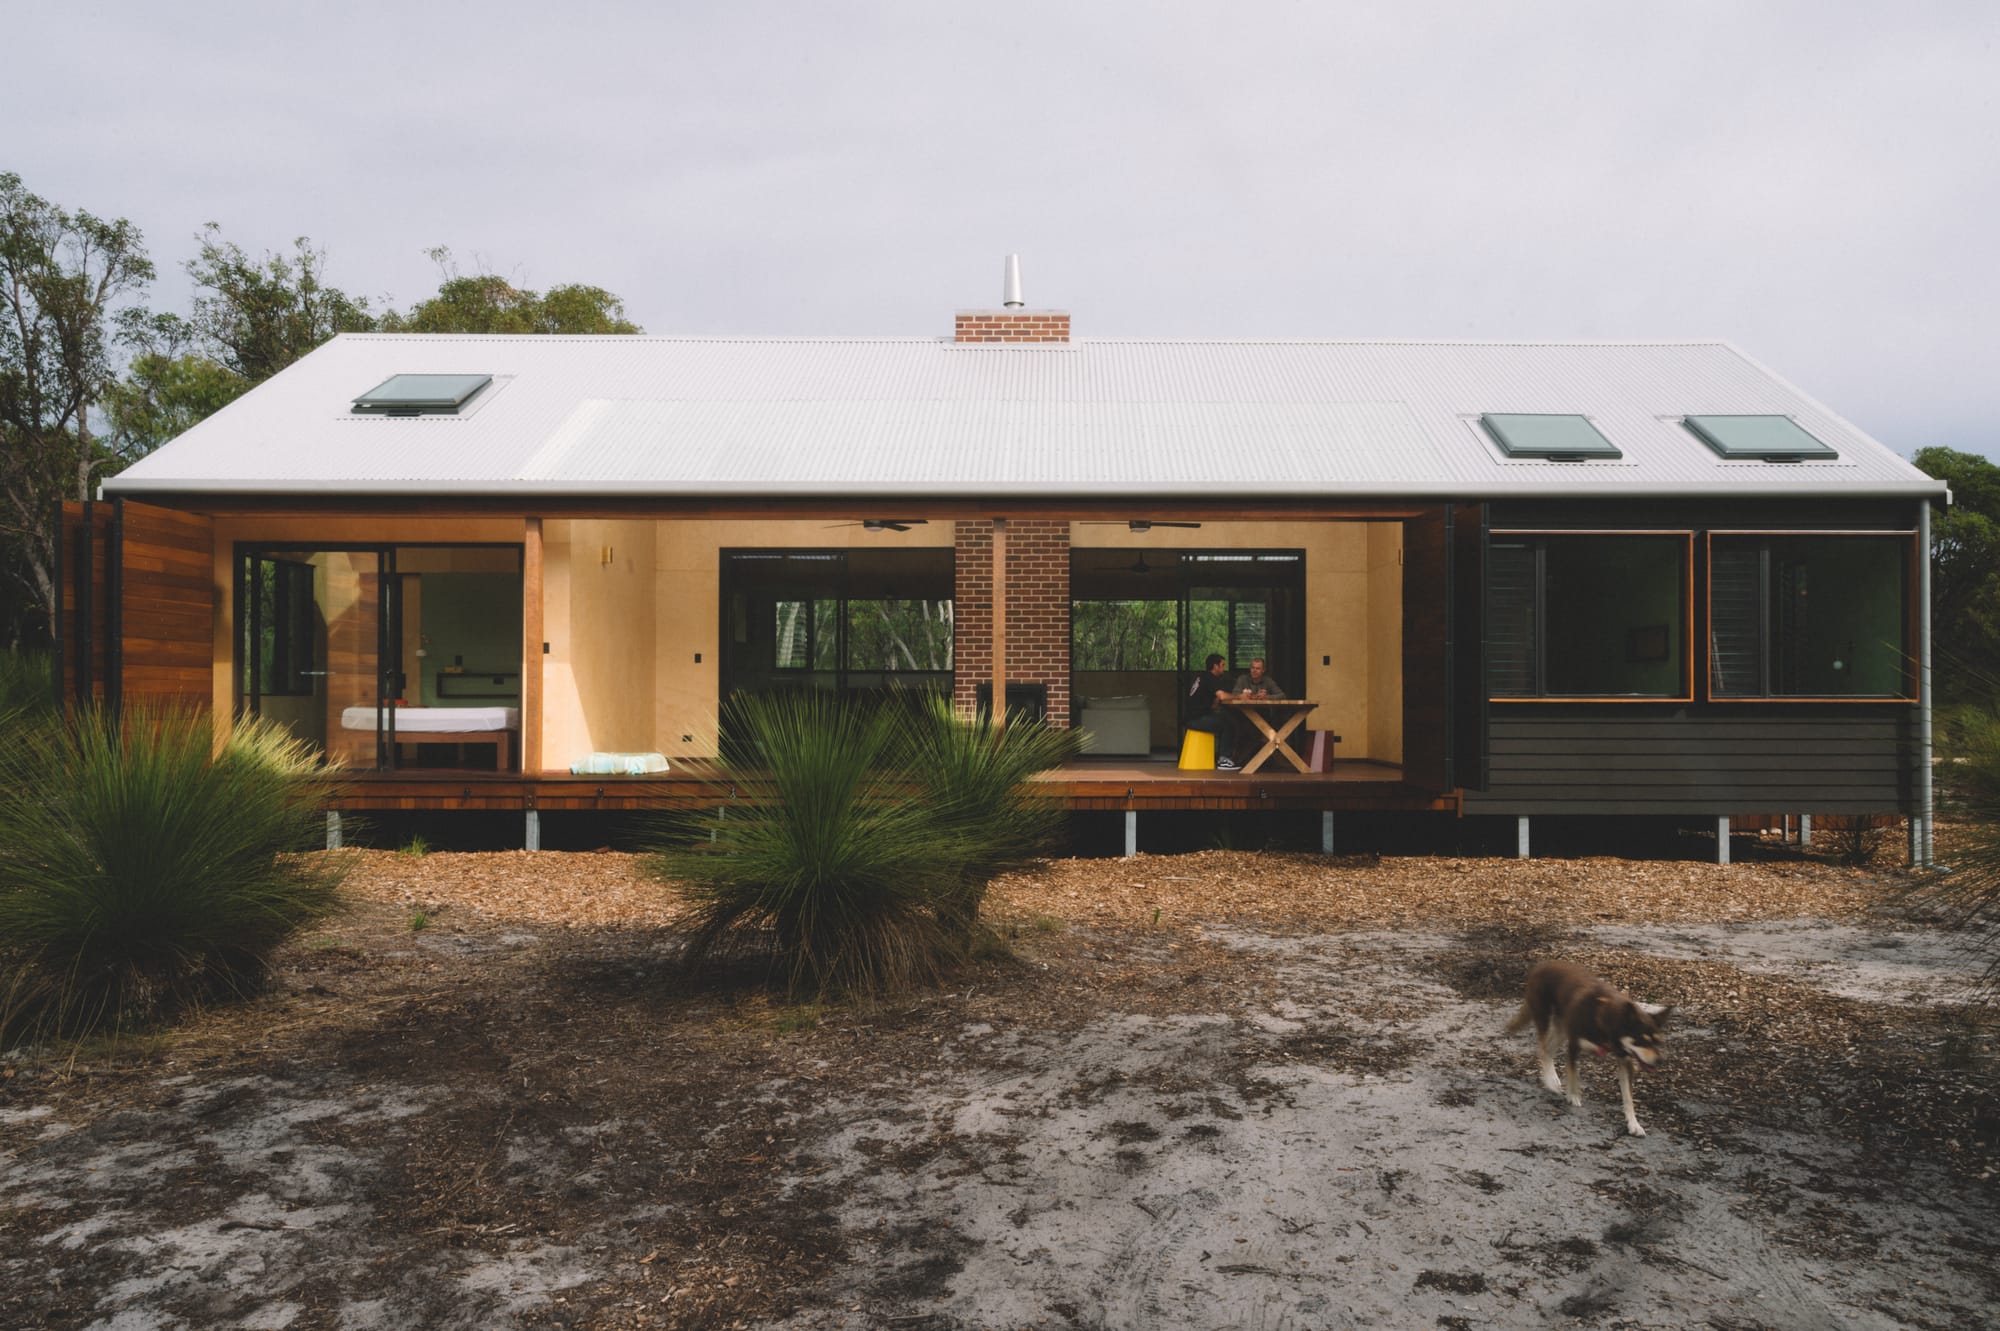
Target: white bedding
<point>451,720</point>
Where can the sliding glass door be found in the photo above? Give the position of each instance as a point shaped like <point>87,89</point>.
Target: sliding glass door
<point>384,656</point>
<point>317,648</point>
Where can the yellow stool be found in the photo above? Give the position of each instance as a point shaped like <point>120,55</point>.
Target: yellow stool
<point>1198,751</point>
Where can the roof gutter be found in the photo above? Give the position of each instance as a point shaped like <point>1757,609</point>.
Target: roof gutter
<point>136,486</point>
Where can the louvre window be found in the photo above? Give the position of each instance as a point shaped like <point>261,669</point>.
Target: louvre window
<point>1587,616</point>
<point>1809,616</point>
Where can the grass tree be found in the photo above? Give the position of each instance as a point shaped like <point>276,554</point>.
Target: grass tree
<point>859,854</point>
<point>975,783</point>
<point>142,870</point>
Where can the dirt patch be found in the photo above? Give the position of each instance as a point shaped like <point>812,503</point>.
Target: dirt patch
<point>1218,1090</point>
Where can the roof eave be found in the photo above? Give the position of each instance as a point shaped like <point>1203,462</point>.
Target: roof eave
<point>489,489</point>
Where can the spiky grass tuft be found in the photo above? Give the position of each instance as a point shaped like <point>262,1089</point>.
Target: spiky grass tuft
<point>858,857</point>
<point>143,871</point>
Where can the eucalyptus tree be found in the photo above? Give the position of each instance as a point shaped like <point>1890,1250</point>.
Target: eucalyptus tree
<point>64,277</point>
<point>255,316</point>
<point>485,302</point>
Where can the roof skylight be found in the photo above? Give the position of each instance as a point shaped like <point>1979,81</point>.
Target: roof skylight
<point>421,394</point>
<point>1547,436</point>
<point>1758,438</point>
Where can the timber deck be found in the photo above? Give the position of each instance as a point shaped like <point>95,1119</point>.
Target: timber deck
<point>1090,784</point>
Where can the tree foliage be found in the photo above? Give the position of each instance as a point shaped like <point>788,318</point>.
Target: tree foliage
<point>1965,576</point>
<point>485,302</point>
<point>169,386</point>
<point>256,316</point>
<point>63,278</point>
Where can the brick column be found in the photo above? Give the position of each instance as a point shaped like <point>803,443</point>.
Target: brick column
<point>1037,610</point>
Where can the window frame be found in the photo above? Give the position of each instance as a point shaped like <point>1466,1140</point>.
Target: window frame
<point>1911,624</point>
<point>1689,660</point>
<point>840,592</point>
<point>1191,568</point>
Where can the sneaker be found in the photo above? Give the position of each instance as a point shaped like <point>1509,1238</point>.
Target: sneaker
<point>1225,764</point>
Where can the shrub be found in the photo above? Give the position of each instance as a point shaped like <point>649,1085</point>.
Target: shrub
<point>1966,892</point>
<point>142,871</point>
<point>27,685</point>
<point>977,786</point>
<point>860,859</point>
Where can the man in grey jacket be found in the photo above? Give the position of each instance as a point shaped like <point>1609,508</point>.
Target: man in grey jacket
<point>1254,683</point>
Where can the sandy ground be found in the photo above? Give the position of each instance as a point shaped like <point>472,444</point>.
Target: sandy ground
<point>1189,1098</point>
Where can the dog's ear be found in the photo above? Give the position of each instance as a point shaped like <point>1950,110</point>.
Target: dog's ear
<point>1656,1011</point>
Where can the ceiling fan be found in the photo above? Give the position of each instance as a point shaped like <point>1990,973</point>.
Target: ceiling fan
<point>883,524</point>
<point>1136,524</point>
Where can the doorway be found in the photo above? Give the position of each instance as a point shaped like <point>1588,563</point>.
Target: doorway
<point>364,652</point>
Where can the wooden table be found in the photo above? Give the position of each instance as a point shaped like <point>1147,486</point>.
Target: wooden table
<point>1274,736</point>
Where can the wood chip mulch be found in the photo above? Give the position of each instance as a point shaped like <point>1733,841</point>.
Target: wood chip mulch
<point>607,889</point>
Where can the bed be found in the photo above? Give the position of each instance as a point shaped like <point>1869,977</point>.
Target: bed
<point>448,725</point>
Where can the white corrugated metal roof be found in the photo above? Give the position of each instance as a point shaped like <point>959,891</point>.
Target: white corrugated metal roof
<point>709,416</point>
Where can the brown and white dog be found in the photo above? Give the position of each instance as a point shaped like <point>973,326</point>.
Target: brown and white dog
<point>1574,1008</point>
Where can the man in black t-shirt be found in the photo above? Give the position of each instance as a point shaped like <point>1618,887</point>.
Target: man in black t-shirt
<point>1203,713</point>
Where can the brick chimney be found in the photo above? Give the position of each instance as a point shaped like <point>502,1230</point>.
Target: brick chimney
<point>1013,322</point>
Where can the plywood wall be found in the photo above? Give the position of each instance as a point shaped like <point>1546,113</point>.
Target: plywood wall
<point>601,606</point>
<point>1384,737</point>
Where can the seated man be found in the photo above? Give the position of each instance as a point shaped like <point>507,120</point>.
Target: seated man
<point>1203,713</point>
<point>1254,683</point>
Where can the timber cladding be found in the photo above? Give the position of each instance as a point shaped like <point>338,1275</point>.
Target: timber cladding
<point>1840,761</point>
<point>83,644</point>
<point>165,605</point>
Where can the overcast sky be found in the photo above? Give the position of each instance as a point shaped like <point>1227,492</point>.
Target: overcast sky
<point>1818,182</point>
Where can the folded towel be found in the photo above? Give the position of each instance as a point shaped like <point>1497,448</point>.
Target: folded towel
<point>618,764</point>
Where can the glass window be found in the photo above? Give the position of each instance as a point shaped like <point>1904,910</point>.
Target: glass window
<point>1167,610</point>
<point>421,394</point>
<point>1757,438</point>
<point>1124,635</point>
<point>1549,437</point>
<point>278,631</point>
<point>898,633</point>
<point>1587,616</point>
<point>853,621</point>
<point>804,635</point>
<point>1809,616</point>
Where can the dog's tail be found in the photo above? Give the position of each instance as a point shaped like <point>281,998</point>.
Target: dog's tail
<point>1521,1020</point>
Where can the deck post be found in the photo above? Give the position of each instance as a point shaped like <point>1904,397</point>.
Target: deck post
<point>1521,837</point>
<point>1920,825</point>
<point>1131,833</point>
<point>333,829</point>
<point>1805,829</point>
<point>1326,832</point>
<point>534,830</point>
<point>1722,838</point>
